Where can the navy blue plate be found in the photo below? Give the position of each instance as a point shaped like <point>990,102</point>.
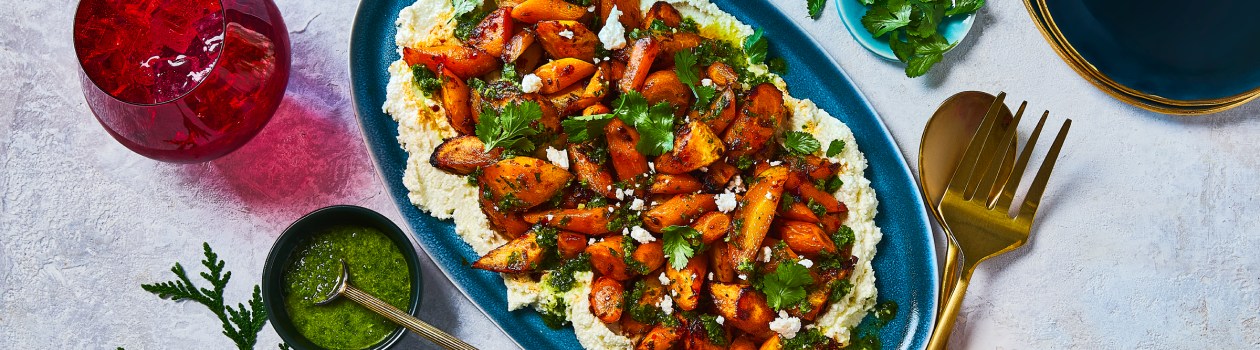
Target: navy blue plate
<point>1179,51</point>
<point>905,265</point>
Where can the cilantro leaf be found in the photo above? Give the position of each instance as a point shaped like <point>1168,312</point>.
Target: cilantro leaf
<point>587,127</point>
<point>881,20</point>
<point>464,6</point>
<point>800,143</point>
<point>655,124</point>
<point>816,7</point>
<point>679,242</point>
<point>685,67</point>
<point>962,7</point>
<point>756,46</point>
<point>920,64</point>
<point>511,127</point>
<point>785,287</point>
<point>927,17</point>
<point>835,148</point>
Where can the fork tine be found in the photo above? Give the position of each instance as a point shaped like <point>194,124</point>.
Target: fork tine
<point>993,168</point>
<point>1021,164</point>
<point>962,175</point>
<point>1029,209</point>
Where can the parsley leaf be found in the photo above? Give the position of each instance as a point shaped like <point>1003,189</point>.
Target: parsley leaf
<point>678,244</point>
<point>800,143</point>
<point>881,20</point>
<point>587,127</point>
<point>510,128</point>
<point>835,148</point>
<point>963,7</point>
<point>756,46</point>
<point>464,6</point>
<point>785,287</point>
<point>816,7</point>
<point>685,67</point>
<point>655,124</point>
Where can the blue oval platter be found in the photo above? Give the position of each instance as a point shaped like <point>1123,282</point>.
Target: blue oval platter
<point>905,266</point>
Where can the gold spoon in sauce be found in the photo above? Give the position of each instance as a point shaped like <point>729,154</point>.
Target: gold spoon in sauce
<point>343,288</point>
<point>945,139</point>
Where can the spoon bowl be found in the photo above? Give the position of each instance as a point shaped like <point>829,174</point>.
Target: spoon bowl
<point>945,139</point>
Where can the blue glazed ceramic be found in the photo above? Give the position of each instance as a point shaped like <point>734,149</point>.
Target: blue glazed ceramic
<point>905,265</point>
<point>955,28</point>
<point>1176,50</point>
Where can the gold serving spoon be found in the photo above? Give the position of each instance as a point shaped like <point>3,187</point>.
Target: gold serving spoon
<point>945,139</point>
<point>343,288</point>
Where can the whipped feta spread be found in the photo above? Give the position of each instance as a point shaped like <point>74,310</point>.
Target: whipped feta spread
<point>422,126</point>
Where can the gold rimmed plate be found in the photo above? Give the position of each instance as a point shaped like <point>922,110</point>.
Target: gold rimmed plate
<point>1151,54</point>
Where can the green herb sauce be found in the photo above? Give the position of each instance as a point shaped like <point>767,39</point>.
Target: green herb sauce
<point>376,266</point>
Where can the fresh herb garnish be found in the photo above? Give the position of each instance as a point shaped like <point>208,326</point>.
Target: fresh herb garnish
<point>585,128</point>
<point>685,66</point>
<point>655,124</point>
<point>425,79</point>
<point>464,6</point>
<point>843,236</point>
<point>756,47</point>
<point>835,148</point>
<point>807,339</point>
<point>466,22</point>
<point>240,324</point>
<point>563,278</point>
<point>714,331</point>
<point>785,287</point>
<point>815,8</point>
<point>800,143</point>
<point>885,311</point>
<point>680,244</point>
<point>510,128</point>
<point>911,27</point>
<point>555,316</point>
<point>839,290</point>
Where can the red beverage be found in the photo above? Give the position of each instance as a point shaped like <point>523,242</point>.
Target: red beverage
<point>182,80</point>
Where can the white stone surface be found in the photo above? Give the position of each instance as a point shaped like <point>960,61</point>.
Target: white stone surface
<point>1146,238</point>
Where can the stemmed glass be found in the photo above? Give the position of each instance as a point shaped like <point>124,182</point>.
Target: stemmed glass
<point>182,80</point>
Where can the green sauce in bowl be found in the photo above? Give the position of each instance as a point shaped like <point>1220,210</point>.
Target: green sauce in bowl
<point>376,266</point>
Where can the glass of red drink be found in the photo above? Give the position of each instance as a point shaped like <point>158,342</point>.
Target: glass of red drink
<point>182,80</point>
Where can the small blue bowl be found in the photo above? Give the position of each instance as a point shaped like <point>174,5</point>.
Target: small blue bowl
<point>317,221</point>
<point>955,28</point>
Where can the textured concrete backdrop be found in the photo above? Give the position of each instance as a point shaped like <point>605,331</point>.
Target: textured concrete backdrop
<point>1147,237</point>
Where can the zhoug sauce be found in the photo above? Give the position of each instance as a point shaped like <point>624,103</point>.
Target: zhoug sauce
<point>376,266</point>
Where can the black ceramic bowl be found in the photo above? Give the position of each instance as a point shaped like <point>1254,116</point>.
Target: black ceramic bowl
<point>313,223</point>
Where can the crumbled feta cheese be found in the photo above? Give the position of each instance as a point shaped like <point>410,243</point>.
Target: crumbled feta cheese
<point>806,263</point>
<point>654,203</point>
<point>785,325</point>
<point>710,276</point>
<point>619,194</point>
<point>704,169</point>
<point>769,195</point>
<point>765,254</point>
<point>736,185</point>
<point>742,276</point>
<point>637,204</point>
<point>559,157</point>
<point>652,166</point>
<point>610,209</point>
<point>613,35</point>
<point>706,82</point>
<point>667,305</point>
<point>641,235</point>
<point>550,217</point>
<point>726,201</point>
<point>590,241</point>
<point>721,320</point>
<point>530,83</point>
<point>664,279</point>
<point>775,163</point>
<point>590,9</point>
<point>568,34</point>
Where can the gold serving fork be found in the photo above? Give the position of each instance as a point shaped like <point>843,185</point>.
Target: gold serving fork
<point>978,215</point>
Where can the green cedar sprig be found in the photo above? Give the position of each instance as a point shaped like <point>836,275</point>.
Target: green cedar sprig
<point>241,324</point>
